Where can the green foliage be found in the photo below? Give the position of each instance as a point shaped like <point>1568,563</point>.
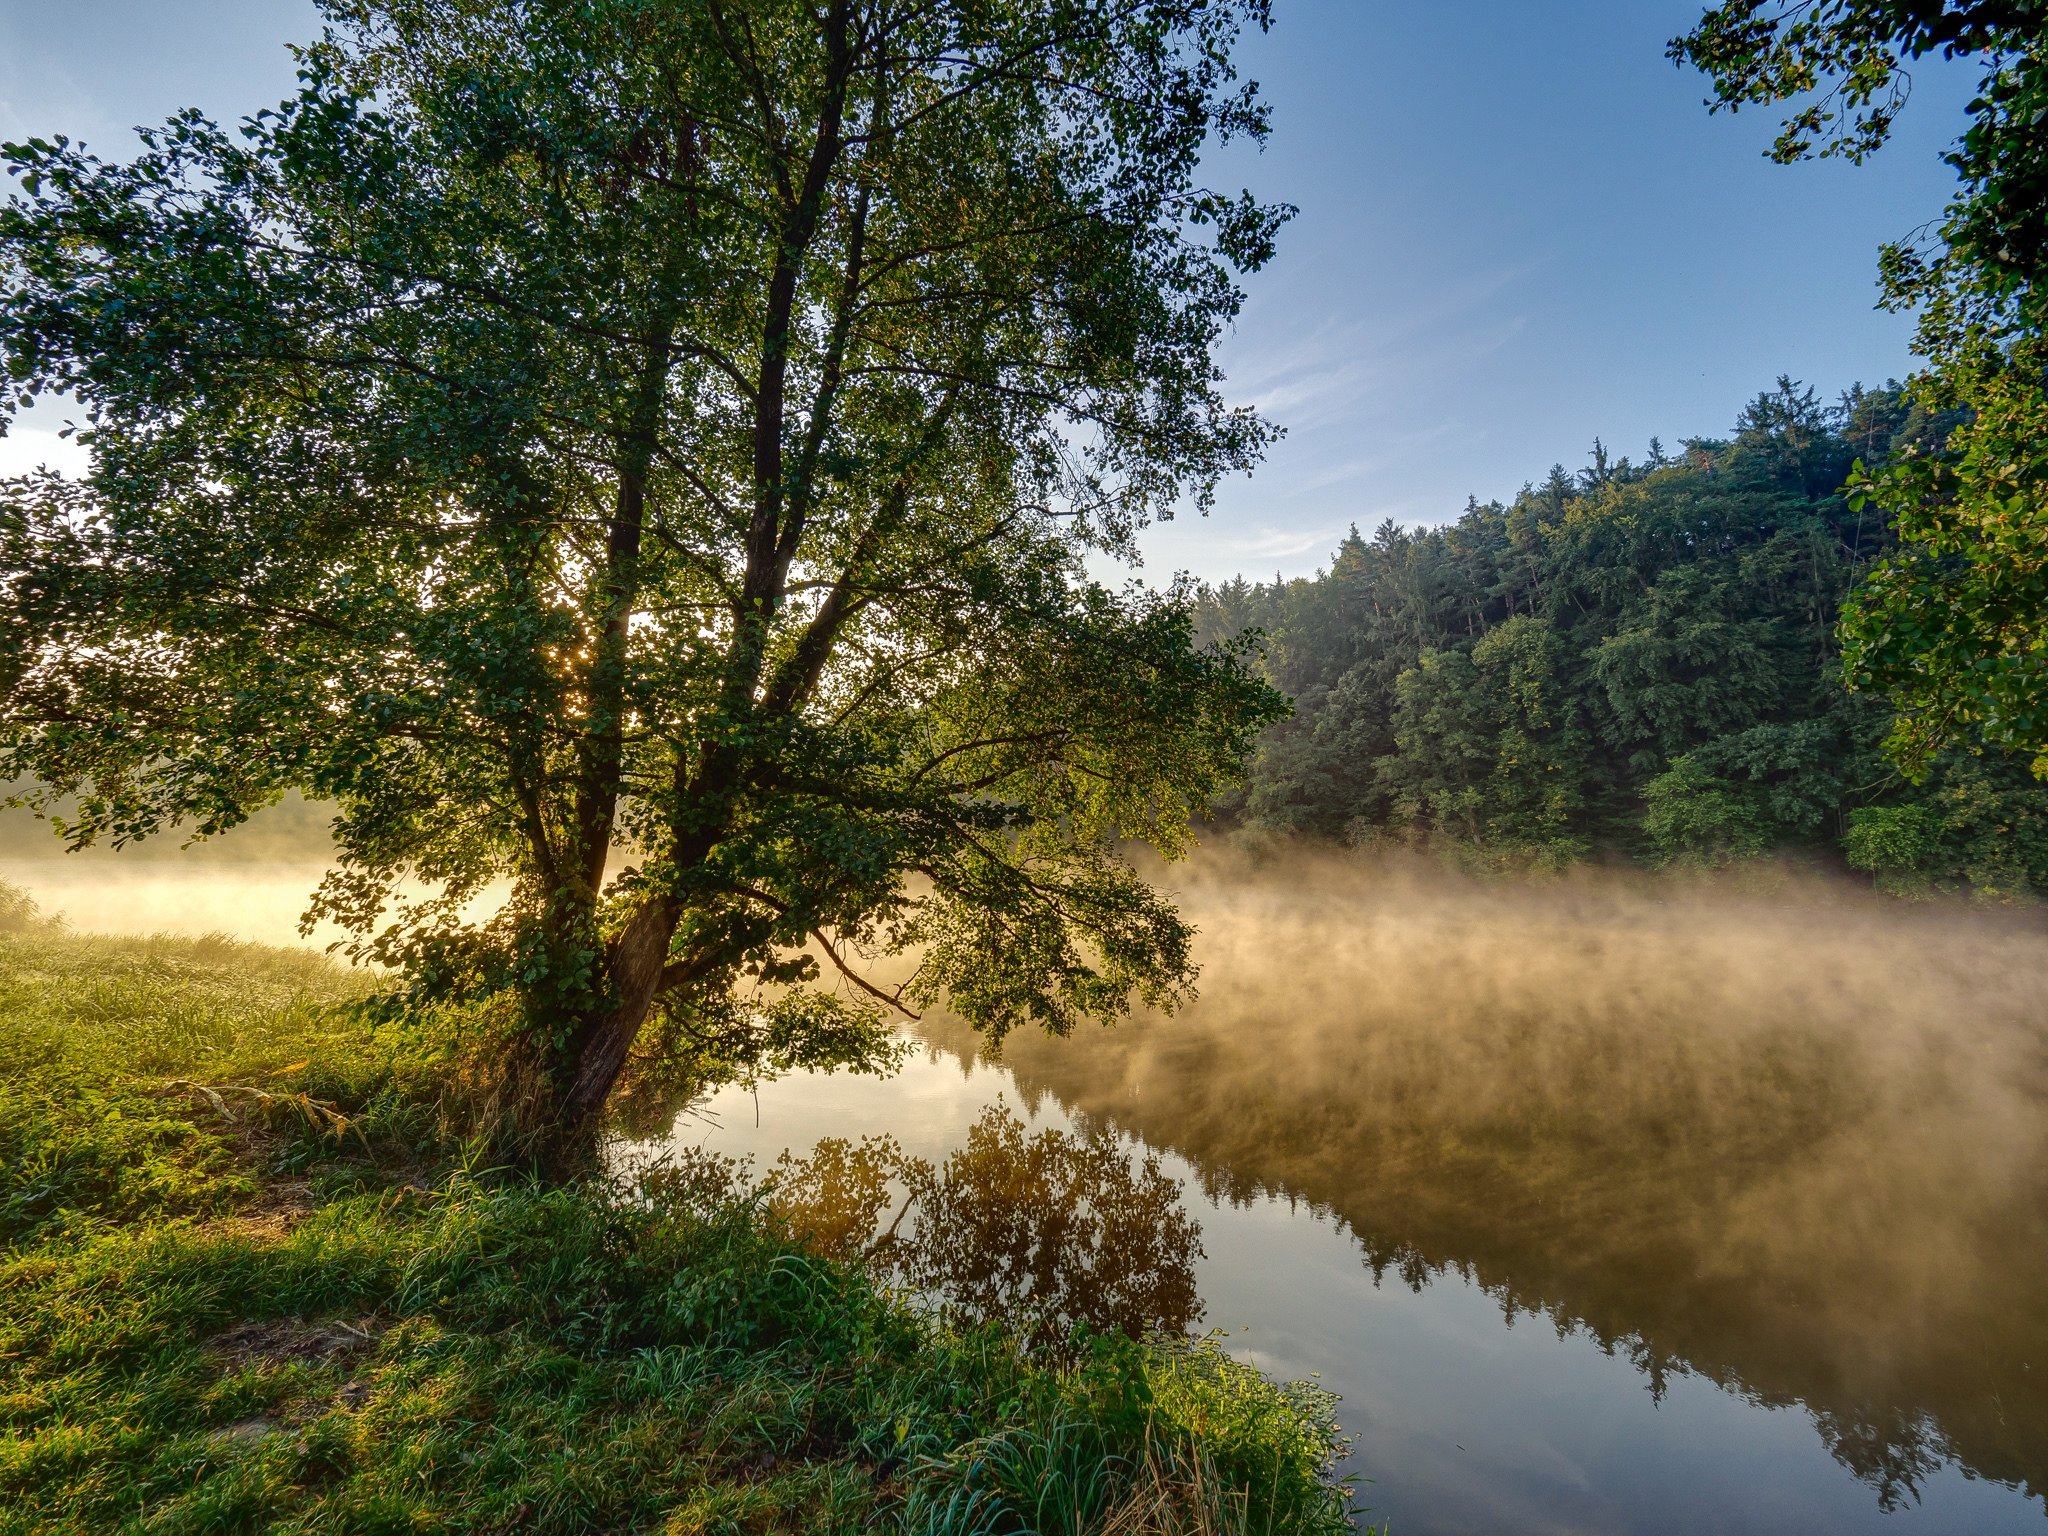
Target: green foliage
<point>1637,659</point>
<point>650,456</point>
<point>1979,830</point>
<point>1951,626</point>
<point>1761,52</point>
<point>19,912</point>
<point>1484,748</point>
<point>1692,817</point>
<point>1954,624</point>
<point>1896,843</point>
<point>414,1348</point>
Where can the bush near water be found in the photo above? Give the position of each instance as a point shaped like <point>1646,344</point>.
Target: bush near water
<point>256,1278</point>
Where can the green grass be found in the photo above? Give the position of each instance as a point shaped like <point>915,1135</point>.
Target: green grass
<point>232,1317</point>
<point>97,1034</point>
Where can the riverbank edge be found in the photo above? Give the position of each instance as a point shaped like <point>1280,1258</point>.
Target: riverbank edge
<point>252,1280</point>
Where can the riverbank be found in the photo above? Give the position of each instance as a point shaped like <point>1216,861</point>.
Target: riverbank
<point>252,1280</point>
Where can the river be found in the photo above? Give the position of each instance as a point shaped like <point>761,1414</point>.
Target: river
<point>1605,1207</point>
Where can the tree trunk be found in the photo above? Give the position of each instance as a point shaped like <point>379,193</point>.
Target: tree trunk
<point>603,1042</point>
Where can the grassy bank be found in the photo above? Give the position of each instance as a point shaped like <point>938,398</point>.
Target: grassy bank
<point>251,1282</point>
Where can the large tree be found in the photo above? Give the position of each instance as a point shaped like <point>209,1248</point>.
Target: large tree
<point>648,452</point>
<point>1954,626</point>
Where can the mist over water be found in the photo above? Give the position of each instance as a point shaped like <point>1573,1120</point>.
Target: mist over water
<point>253,882</point>
<point>1789,1139</point>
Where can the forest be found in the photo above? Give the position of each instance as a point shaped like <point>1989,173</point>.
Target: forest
<point>1637,661</point>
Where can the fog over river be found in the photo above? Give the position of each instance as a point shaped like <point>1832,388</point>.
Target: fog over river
<point>1607,1203</point>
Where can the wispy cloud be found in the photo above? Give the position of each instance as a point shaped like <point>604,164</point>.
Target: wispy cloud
<point>1282,543</point>
<point>1346,381</point>
<point>1311,394</point>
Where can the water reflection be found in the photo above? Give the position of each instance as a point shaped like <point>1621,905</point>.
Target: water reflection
<point>1041,1230</point>
<point>1798,1151</point>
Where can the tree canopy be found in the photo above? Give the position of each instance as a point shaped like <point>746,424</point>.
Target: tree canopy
<point>646,454</point>
<point>1954,625</point>
<point>1638,660</point>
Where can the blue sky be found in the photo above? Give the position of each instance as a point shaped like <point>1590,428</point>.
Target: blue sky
<point>1519,230</point>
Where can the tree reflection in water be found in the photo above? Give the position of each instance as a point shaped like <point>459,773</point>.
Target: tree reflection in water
<point>1041,1231</point>
<point>1794,1143</point>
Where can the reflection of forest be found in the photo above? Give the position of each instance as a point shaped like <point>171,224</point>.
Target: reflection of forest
<point>1042,1231</point>
<point>1844,1213</point>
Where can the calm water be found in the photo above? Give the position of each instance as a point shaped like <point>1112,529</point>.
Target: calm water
<point>1677,1227</point>
<point>1469,1416</point>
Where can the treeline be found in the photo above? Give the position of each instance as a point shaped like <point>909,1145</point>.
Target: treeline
<point>1637,660</point>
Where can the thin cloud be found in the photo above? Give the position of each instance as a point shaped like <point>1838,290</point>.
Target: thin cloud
<point>1282,543</point>
<point>1349,366</point>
